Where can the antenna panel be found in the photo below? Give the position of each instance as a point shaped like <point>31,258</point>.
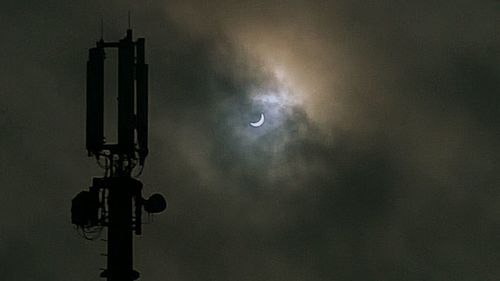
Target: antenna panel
<point>95,101</point>
<point>142,101</point>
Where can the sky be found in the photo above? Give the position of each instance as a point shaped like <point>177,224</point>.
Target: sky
<point>378,159</point>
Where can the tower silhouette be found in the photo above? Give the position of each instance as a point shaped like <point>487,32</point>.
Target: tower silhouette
<point>115,200</point>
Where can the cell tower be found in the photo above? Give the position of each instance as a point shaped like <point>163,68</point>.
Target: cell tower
<point>115,200</point>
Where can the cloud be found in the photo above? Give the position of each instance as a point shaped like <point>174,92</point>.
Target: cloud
<point>378,161</point>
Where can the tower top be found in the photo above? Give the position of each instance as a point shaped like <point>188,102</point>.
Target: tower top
<point>132,102</point>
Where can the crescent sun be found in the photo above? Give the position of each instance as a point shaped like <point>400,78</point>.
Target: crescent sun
<point>258,123</point>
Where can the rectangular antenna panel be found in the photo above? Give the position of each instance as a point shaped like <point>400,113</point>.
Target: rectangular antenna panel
<point>142,100</point>
<point>95,101</point>
<point>126,91</point>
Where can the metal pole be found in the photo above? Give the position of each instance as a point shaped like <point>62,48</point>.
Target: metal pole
<point>120,242</point>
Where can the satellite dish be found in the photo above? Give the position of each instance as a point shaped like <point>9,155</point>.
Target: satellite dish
<point>155,204</point>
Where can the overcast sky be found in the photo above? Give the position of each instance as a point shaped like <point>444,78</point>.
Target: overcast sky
<point>378,160</point>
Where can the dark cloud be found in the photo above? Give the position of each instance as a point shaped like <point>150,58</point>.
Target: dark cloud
<point>383,169</point>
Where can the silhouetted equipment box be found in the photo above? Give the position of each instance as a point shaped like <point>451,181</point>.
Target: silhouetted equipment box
<point>85,209</point>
